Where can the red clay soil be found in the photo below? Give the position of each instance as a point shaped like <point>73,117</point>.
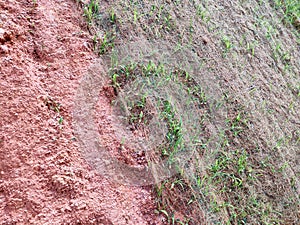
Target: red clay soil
<point>44,52</point>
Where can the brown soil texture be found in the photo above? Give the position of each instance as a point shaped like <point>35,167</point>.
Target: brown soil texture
<point>247,57</point>
<point>247,165</point>
<point>44,179</point>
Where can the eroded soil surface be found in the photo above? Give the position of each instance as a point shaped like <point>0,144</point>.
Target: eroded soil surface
<point>44,52</point>
<point>247,58</point>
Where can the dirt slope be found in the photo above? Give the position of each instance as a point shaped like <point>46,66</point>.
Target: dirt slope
<point>247,66</point>
<point>44,52</point>
<point>227,73</point>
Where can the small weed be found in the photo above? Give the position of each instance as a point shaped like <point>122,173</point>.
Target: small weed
<point>291,11</point>
<point>90,10</point>
<point>135,15</point>
<point>114,81</point>
<point>52,104</point>
<point>251,47</point>
<point>283,167</point>
<point>174,135</point>
<point>227,44</point>
<point>237,124</point>
<point>107,43</point>
<point>203,13</point>
<point>60,120</point>
<point>112,17</point>
<point>220,164</point>
<point>139,114</point>
<point>168,21</point>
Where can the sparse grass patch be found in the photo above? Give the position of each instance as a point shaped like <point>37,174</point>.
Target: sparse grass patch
<point>175,138</point>
<point>227,43</point>
<point>202,13</point>
<point>91,10</point>
<point>291,11</point>
<point>239,174</point>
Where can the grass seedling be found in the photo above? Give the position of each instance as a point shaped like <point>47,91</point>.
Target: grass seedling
<point>168,21</point>
<point>91,10</point>
<point>237,124</point>
<point>60,120</point>
<point>112,17</point>
<point>227,44</point>
<point>251,47</point>
<point>202,13</point>
<point>114,80</point>
<point>135,15</point>
<point>106,43</point>
<point>291,11</point>
<point>242,162</point>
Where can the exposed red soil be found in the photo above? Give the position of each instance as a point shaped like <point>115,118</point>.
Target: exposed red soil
<point>44,52</point>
